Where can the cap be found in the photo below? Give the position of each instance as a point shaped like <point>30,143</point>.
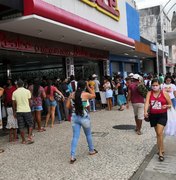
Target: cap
<point>94,75</point>
<point>136,76</point>
<point>131,74</point>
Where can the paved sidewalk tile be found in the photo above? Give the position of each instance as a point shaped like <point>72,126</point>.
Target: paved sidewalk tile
<point>120,152</point>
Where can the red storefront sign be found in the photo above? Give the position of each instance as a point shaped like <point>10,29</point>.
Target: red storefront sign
<point>17,42</point>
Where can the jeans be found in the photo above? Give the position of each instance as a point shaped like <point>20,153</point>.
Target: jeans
<point>92,105</point>
<point>58,112</point>
<point>174,102</point>
<point>77,123</point>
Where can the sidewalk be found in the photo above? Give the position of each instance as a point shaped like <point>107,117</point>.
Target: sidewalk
<point>165,170</point>
<point>120,152</point>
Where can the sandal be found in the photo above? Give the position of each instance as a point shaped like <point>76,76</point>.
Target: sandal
<point>161,158</point>
<point>94,152</point>
<point>72,160</point>
<point>41,130</point>
<point>1,150</point>
<point>29,141</point>
<point>138,133</point>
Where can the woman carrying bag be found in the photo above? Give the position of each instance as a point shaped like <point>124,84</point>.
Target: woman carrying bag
<point>157,101</point>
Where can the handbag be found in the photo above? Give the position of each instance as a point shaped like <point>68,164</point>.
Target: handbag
<point>57,96</point>
<point>147,119</point>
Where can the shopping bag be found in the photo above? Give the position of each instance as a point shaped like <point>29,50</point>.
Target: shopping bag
<point>170,128</point>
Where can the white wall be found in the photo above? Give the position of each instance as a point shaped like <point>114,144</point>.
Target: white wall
<point>85,11</point>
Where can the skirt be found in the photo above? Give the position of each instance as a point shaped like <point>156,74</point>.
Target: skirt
<point>109,93</point>
<point>11,121</point>
<point>121,100</point>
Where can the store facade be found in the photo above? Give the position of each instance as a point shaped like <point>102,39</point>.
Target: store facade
<point>55,38</point>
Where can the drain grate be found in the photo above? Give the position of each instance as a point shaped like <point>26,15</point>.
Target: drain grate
<point>124,127</point>
<point>99,134</point>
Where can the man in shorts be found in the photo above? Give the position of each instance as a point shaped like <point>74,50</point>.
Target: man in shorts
<point>137,102</point>
<point>22,111</point>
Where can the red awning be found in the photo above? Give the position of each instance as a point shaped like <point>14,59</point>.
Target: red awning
<point>46,10</point>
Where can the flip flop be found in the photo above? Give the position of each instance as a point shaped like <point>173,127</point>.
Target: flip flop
<point>1,150</point>
<point>72,160</point>
<point>92,153</point>
<point>161,158</point>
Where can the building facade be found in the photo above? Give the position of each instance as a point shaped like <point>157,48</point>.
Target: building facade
<point>55,38</point>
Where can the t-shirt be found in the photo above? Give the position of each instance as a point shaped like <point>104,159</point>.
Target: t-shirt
<point>135,95</point>
<point>53,89</point>
<point>36,101</point>
<point>169,88</point>
<point>22,96</point>
<point>92,85</point>
<point>8,95</point>
<point>97,84</point>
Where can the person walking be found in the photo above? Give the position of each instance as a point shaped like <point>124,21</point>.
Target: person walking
<point>157,101</point>
<point>137,101</point>
<point>22,111</point>
<point>79,101</point>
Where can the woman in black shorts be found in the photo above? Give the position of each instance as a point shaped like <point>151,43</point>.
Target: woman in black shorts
<point>157,101</point>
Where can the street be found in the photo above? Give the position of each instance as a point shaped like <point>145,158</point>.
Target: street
<point>120,152</point>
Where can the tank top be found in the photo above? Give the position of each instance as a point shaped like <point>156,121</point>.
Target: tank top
<point>157,103</point>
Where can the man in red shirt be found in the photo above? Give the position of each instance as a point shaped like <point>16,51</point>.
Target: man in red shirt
<point>137,101</point>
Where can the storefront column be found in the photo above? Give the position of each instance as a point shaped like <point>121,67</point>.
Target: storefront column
<point>69,66</point>
<point>106,68</point>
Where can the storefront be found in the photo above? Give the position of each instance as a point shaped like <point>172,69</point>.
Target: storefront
<point>54,38</point>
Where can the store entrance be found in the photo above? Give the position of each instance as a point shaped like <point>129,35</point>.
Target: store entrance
<point>30,65</point>
<point>85,68</point>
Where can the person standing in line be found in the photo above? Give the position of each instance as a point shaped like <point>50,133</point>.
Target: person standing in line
<point>51,102</point>
<point>1,93</point>
<point>38,94</point>
<point>11,121</point>
<point>108,93</point>
<point>97,90</point>
<point>78,101</point>
<point>158,101</point>
<point>92,86</point>
<point>137,102</point>
<point>22,111</point>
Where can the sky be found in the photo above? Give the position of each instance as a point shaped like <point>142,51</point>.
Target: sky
<point>148,3</point>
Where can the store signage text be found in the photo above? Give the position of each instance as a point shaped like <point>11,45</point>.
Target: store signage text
<point>11,41</point>
<point>108,7</point>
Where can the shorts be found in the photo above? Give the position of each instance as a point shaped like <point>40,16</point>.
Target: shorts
<point>158,119</point>
<point>24,119</point>
<point>36,108</point>
<point>50,103</point>
<point>138,109</point>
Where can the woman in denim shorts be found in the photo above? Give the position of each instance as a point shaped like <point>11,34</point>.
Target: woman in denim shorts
<point>79,101</point>
<point>51,102</point>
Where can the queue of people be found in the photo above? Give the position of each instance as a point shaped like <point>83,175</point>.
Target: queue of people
<point>71,100</point>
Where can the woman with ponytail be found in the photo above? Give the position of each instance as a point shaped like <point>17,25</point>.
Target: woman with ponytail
<point>79,102</point>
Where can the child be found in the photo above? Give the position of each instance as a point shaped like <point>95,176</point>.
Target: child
<point>11,125</point>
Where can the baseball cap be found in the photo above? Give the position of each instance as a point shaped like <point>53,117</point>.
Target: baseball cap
<point>94,75</point>
<point>136,76</point>
<point>131,75</point>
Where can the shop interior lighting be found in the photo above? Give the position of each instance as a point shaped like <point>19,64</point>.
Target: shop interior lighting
<point>126,54</point>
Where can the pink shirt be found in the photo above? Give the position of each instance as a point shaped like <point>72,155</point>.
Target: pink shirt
<point>53,89</point>
<point>135,95</point>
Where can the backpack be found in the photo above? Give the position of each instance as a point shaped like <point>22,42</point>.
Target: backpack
<point>142,90</point>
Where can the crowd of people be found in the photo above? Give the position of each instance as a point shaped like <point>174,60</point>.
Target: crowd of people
<point>26,103</point>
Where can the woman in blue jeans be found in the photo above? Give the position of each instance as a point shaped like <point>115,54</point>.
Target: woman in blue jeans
<point>79,102</point>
